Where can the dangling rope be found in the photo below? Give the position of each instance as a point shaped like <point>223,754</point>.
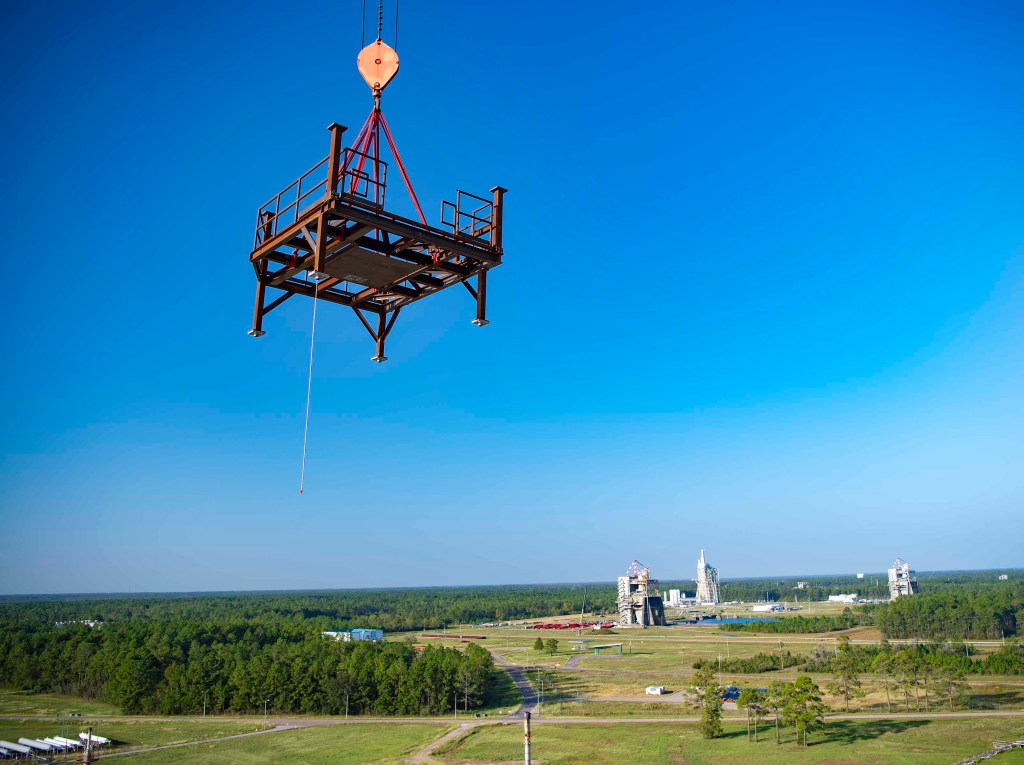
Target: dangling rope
<point>380,19</point>
<point>309,390</point>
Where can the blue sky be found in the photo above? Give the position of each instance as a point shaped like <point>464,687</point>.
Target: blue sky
<point>761,295</point>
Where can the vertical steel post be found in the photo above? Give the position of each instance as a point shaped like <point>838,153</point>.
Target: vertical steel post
<point>496,216</point>
<point>88,747</point>
<point>334,159</point>
<point>381,336</point>
<point>526,738</point>
<point>481,300</point>
<point>261,280</point>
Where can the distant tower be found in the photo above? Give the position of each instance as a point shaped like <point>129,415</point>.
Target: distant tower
<point>707,583</point>
<point>640,603</point>
<point>902,581</point>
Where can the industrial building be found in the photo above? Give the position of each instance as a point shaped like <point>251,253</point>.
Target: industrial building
<point>707,583</point>
<point>768,607</point>
<point>902,581</point>
<point>640,603</point>
<point>851,598</point>
<point>356,634</point>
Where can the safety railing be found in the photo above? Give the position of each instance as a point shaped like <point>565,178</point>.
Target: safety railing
<point>284,209</point>
<point>362,177</point>
<point>469,215</point>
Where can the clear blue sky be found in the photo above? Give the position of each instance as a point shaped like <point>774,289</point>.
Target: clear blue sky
<point>762,294</point>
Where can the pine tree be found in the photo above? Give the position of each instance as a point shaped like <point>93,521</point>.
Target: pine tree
<point>706,695</point>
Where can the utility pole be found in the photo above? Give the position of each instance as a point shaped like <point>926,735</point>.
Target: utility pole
<point>88,747</point>
<point>265,702</point>
<point>204,703</point>
<point>346,705</point>
<point>526,738</point>
<point>455,700</point>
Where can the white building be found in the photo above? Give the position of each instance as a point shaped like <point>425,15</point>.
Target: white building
<point>768,607</point>
<point>707,583</point>
<point>675,599</point>
<point>851,598</point>
<point>860,576</point>
<point>1003,577</point>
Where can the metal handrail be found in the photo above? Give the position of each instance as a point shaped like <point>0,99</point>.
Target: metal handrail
<point>478,225</point>
<point>269,226</point>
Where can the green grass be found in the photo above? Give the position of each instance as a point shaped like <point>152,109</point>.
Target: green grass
<point>353,744</point>
<point>570,708</point>
<point>894,742</point>
<point>28,704</point>
<point>129,732</point>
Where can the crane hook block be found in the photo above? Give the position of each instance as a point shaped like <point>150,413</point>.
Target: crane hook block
<point>378,63</point>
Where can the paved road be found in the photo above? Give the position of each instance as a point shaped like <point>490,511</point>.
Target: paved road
<point>518,675</point>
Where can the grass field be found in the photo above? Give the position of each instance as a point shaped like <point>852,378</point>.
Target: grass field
<point>336,744</point>
<point>902,742</point>
<point>665,656</point>
<point>25,703</point>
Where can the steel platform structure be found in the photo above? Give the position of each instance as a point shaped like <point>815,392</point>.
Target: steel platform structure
<point>328,236</point>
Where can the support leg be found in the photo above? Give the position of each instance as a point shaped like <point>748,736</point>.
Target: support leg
<point>481,300</point>
<point>261,293</point>
<point>380,336</point>
<point>261,281</point>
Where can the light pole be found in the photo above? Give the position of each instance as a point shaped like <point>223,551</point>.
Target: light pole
<point>455,703</point>
<point>204,703</point>
<point>265,702</point>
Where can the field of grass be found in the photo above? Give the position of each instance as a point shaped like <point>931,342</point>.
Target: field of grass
<point>354,744</point>
<point>894,742</point>
<point>665,656</point>
<point>28,704</point>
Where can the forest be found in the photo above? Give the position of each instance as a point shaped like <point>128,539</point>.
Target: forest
<point>171,654</point>
<point>182,667</point>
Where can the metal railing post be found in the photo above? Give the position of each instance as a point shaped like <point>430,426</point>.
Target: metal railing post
<point>496,213</point>
<point>334,158</point>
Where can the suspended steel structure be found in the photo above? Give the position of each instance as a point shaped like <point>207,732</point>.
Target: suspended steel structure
<point>329,235</point>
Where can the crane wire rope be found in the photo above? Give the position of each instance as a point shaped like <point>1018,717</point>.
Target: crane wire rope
<point>309,389</point>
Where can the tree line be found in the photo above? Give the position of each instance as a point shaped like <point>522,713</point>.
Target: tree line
<point>991,613</point>
<point>184,667</point>
<point>987,610</point>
